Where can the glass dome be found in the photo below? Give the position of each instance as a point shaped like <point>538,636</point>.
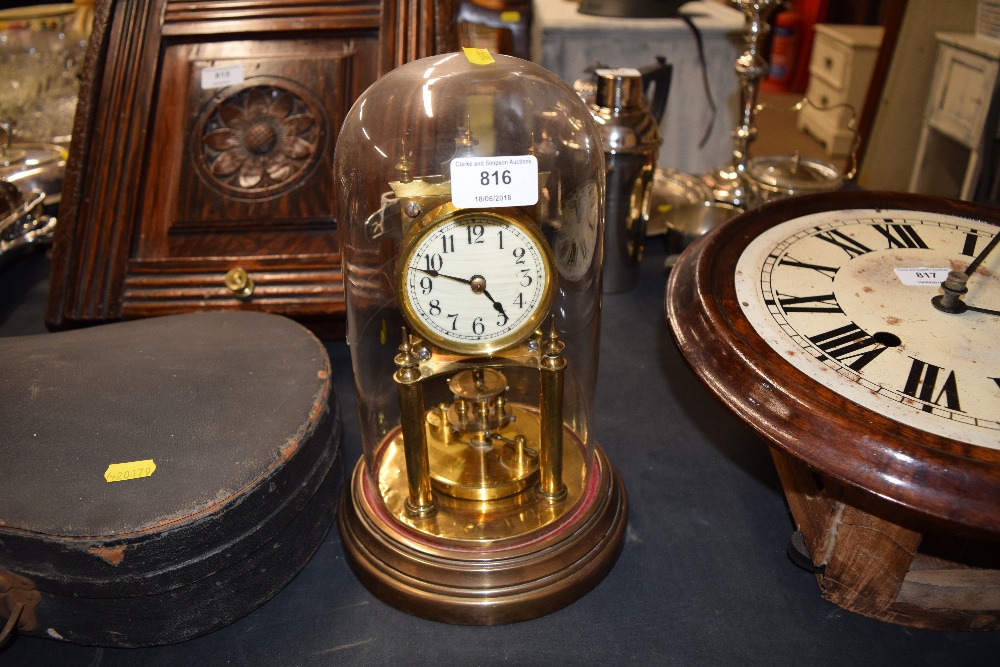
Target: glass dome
<point>471,191</point>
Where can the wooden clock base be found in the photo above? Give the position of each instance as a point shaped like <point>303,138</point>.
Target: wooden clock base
<point>873,559</point>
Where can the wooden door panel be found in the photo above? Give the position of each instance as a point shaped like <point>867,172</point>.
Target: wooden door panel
<point>171,182</point>
<point>260,185</point>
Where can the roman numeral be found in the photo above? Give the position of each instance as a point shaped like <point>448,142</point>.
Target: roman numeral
<point>821,303</point>
<point>970,245</point>
<point>922,384</point>
<point>900,236</point>
<point>844,242</point>
<point>828,271</point>
<point>848,342</point>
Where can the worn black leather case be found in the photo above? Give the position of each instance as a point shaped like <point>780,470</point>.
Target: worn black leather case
<point>237,412</point>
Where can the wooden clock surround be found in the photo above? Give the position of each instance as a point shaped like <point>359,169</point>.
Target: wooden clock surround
<point>896,523</point>
<point>171,184</point>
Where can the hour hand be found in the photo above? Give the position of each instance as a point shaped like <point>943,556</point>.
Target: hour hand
<point>497,306</point>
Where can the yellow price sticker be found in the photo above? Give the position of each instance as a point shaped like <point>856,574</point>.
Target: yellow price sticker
<point>478,56</point>
<point>120,472</point>
<point>663,208</point>
<point>510,17</point>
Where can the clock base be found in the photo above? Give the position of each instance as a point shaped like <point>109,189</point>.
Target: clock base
<point>469,582</point>
<point>873,560</point>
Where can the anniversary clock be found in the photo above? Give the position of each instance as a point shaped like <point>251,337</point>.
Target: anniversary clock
<point>472,268</point>
<point>857,333</point>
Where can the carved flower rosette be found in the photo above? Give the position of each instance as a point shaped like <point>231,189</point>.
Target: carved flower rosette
<point>260,139</point>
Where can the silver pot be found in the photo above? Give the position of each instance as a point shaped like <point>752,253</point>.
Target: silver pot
<point>35,167</point>
<point>22,225</point>
<point>774,177</point>
<point>681,206</point>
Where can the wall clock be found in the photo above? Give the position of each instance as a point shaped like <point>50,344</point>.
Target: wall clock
<point>814,320</point>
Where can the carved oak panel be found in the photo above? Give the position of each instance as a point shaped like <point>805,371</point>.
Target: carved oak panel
<point>204,143</point>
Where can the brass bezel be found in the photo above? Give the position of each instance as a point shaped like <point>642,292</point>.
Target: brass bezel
<point>445,214</point>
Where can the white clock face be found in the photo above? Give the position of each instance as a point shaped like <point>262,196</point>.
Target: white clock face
<point>477,282</point>
<point>576,239</point>
<point>838,295</point>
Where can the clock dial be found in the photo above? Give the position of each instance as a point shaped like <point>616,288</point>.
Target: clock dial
<point>476,281</point>
<point>577,237</point>
<point>845,297</point>
<point>806,318</point>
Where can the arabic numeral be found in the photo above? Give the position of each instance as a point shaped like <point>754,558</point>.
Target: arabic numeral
<point>433,262</point>
<point>475,233</point>
<point>495,178</point>
<point>478,327</point>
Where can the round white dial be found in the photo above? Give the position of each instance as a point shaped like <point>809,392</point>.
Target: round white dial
<point>845,297</point>
<point>576,238</point>
<point>477,282</point>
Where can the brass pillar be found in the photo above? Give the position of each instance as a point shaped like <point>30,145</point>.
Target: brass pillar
<point>420,502</point>
<point>550,456</point>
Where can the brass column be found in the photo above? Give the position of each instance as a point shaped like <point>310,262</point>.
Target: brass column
<point>550,457</point>
<point>420,502</point>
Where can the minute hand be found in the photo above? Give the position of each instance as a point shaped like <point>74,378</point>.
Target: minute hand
<point>436,274</point>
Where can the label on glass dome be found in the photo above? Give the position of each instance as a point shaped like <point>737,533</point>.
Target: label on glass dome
<point>491,182</point>
<point>478,56</point>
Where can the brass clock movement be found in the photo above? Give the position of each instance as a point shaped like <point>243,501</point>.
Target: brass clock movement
<point>482,496</point>
<point>858,334</point>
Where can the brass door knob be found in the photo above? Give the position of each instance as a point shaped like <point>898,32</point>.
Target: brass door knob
<point>239,282</point>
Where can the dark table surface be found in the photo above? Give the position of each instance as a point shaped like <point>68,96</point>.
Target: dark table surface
<point>703,577</point>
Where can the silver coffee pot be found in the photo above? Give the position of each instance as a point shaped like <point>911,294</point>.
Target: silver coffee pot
<point>630,134</point>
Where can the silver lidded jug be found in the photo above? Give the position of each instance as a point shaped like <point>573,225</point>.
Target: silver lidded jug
<point>630,135</point>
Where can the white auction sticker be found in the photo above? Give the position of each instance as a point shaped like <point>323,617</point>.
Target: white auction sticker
<point>618,71</point>
<point>922,276</point>
<point>220,77</point>
<point>489,182</point>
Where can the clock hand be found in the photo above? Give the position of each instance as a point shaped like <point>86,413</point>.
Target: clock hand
<point>478,285</point>
<point>954,285</point>
<point>437,274</point>
<point>497,306</point>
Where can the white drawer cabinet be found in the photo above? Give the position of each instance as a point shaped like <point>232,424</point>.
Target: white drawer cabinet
<point>840,69</point>
<point>954,127</point>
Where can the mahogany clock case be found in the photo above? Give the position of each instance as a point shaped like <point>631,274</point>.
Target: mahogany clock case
<point>955,484</point>
<point>203,144</point>
<point>897,523</point>
<point>243,435</point>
